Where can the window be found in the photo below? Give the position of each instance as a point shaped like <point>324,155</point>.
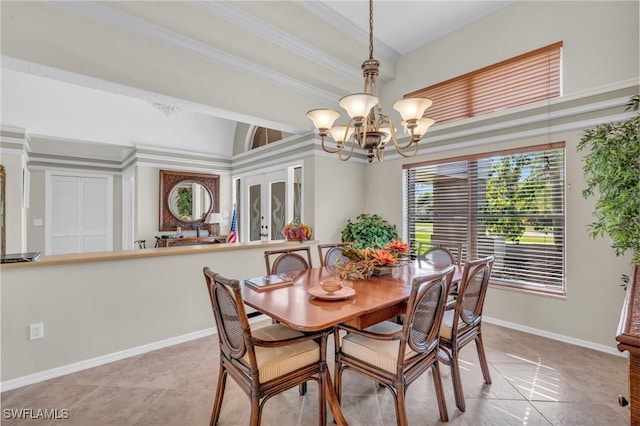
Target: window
<point>527,78</point>
<point>263,136</point>
<point>508,203</point>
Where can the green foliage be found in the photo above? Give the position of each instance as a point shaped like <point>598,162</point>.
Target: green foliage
<point>612,172</point>
<point>369,231</point>
<point>515,189</point>
<point>185,203</point>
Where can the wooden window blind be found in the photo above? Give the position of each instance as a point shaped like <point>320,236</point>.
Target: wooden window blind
<point>526,78</point>
<point>508,203</point>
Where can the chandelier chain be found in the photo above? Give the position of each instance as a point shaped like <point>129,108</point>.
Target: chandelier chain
<point>370,29</point>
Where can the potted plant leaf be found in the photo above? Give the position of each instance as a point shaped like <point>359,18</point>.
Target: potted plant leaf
<point>369,231</point>
<point>612,172</point>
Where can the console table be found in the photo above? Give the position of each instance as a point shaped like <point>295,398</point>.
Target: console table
<point>191,241</point>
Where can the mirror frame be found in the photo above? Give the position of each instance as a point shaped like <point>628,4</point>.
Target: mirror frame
<point>168,180</point>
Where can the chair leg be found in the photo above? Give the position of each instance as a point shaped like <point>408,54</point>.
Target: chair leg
<point>457,380</point>
<point>337,380</point>
<point>483,359</point>
<point>437,383</point>
<point>217,404</point>
<point>256,411</point>
<point>302,388</point>
<point>322,399</point>
<point>401,406</point>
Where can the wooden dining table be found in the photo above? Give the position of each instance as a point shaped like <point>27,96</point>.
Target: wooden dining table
<point>375,299</point>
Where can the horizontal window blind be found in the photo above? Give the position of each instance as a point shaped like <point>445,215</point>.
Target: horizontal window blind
<point>526,78</point>
<point>510,204</point>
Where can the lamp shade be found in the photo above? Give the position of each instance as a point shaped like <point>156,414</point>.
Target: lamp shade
<point>423,125</point>
<point>213,218</point>
<point>412,108</point>
<point>359,104</point>
<point>323,118</point>
<point>387,133</point>
<point>338,133</point>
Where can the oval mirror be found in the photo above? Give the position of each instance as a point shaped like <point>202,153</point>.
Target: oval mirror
<point>189,201</point>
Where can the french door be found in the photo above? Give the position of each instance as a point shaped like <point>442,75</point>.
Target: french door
<point>266,205</point>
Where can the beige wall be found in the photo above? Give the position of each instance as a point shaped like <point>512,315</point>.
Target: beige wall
<point>36,234</point>
<point>338,194</point>
<point>99,308</point>
<point>16,215</point>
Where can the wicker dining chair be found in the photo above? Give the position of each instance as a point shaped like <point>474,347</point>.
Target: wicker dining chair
<point>441,252</point>
<point>288,260</point>
<point>462,324</point>
<point>330,253</point>
<point>396,355</point>
<point>263,362</point>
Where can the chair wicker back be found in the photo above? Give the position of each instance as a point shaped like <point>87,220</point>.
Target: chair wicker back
<point>228,312</point>
<point>462,324</point>
<point>288,260</point>
<point>441,252</point>
<point>329,254</point>
<point>268,375</point>
<point>370,352</point>
<point>424,310</point>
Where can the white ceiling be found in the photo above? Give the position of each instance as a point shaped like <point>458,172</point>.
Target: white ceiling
<point>89,71</point>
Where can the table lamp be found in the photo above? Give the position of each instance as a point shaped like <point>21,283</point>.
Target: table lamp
<point>213,220</point>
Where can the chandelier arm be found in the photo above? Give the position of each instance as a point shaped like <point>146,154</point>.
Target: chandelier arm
<point>402,147</point>
<point>329,150</point>
<point>350,151</point>
<point>399,146</point>
<point>414,152</point>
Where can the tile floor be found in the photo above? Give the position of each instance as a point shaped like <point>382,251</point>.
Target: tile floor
<point>536,381</point>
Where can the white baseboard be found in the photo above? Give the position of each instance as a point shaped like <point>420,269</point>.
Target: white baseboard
<point>555,336</point>
<point>105,359</point>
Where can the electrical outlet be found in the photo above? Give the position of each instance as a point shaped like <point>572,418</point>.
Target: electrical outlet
<point>36,331</point>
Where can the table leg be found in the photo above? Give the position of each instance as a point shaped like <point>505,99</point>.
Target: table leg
<point>332,398</point>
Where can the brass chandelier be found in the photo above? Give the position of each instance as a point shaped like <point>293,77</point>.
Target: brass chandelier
<point>369,127</point>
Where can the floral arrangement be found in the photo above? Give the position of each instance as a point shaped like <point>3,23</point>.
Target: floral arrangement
<point>296,231</point>
<point>363,262</point>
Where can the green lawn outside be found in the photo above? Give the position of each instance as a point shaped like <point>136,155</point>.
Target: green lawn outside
<point>425,230</point>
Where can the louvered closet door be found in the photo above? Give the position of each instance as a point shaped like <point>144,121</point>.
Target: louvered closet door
<point>79,214</point>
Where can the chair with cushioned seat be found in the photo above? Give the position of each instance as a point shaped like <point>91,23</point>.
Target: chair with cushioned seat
<point>462,323</point>
<point>396,355</point>
<point>441,252</point>
<point>263,362</point>
<point>287,260</point>
<point>330,253</point>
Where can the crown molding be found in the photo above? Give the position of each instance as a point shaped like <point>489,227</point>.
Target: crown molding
<point>264,30</point>
<point>131,24</point>
<point>343,24</point>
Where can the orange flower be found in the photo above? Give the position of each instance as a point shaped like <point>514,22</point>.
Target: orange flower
<point>383,258</point>
<point>364,253</point>
<point>398,246</point>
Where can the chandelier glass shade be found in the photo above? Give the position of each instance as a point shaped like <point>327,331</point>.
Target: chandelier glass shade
<point>368,126</point>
